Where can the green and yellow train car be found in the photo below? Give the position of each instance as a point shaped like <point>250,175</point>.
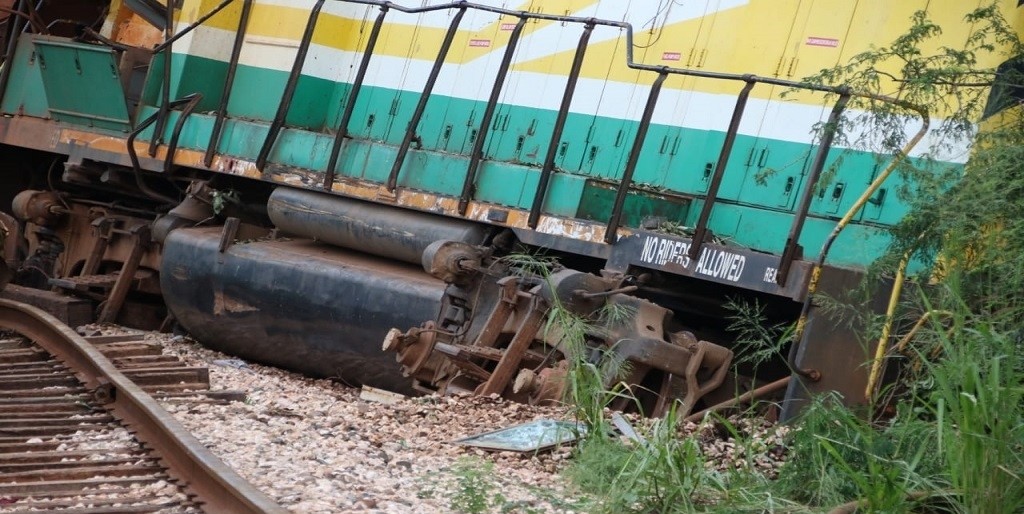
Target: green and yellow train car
<point>300,180</point>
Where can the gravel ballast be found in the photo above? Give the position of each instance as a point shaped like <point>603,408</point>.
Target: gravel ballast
<point>315,447</point>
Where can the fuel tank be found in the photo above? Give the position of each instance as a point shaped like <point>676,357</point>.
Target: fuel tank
<point>296,304</point>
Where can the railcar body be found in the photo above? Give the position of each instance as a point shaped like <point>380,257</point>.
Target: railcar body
<point>293,178</point>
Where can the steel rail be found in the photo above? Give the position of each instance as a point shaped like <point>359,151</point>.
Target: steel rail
<point>217,487</point>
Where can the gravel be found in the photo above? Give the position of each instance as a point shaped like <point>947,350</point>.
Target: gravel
<point>315,447</point>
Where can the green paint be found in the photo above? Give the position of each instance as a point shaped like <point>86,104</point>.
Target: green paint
<point>25,93</point>
<point>82,83</point>
<point>763,178</point>
<point>599,199</point>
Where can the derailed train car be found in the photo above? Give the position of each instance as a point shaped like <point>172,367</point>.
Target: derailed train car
<point>301,182</point>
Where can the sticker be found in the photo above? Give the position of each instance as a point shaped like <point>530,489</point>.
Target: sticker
<point>482,43</point>
<point>670,56</point>
<point>822,41</point>
<point>508,26</point>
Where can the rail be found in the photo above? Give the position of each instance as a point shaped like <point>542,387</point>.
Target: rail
<point>217,486</point>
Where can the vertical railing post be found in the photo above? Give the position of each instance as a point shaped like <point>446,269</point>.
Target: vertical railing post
<point>229,81</point>
<point>818,164</point>
<point>701,230</point>
<point>353,94</point>
<point>14,27</point>
<point>634,156</point>
<point>556,135</point>
<point>410,131</point>
<point>477,154</point>
<point>289,87</point>
<point>165,99</point>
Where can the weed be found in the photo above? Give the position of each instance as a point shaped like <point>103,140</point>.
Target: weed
<point>660,473</point>
<point>476,490</point>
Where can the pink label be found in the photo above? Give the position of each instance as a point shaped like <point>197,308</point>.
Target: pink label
<point>483,43</point>
<point>670,56</point>
<point>822,41</point>
<point>508,26</point>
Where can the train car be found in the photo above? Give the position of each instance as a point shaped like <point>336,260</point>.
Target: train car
<point>306,182</point>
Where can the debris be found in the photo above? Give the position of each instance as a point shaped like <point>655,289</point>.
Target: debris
<point>625,428</point>
<point>372,394</point>
<point>535,436</point>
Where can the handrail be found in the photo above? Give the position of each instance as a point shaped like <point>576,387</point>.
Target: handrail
<point>589,23</point>
<point>229,82</point>
<point>613,223</point>
<point>289,88</point>
<point>812,285</point>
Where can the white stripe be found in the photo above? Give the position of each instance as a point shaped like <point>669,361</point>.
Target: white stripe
<point>775,119</point>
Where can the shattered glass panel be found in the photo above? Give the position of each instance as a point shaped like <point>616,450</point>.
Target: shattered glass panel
<point>538,435</point>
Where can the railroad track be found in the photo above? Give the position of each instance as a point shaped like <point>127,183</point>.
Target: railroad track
<point>79,436</point>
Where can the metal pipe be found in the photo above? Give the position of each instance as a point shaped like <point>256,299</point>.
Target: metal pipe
<point>792,241</point>
<point>33,20</point>
<point>353,94</point>
<point>134,157</point>
<point>556,134</point>
<point>890,317</point>
<point>634,156</point>
<point>410,131</point>
<point>137,169</point>
<point>14,27</point>
<point>229,81</point>
<point>477,154</point>
<point>764,390</point>
<point>213,12</point>
<point>905,340</point>
<point>812,285</point>
<point>700,232</point>
<point>165,100</point>
<point>289,87</point>
<point>172,145</point>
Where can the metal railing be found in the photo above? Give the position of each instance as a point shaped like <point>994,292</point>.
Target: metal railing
<point>791,250</point>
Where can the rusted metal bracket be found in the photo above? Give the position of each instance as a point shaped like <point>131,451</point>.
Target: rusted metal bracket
<point>102,231</point>
<point>126,277</point>
<point>509,363</point>
<point>499,316</point>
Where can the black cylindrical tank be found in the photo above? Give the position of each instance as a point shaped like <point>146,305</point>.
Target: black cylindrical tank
<point>296,304</point>
<point>372,228</point>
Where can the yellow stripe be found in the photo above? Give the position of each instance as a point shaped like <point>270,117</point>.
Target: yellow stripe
<point>785,38</point>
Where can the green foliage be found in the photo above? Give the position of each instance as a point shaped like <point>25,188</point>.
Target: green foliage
<point>476,491</point>
<point>661,473</point>
<point>221,199</point>
<point>977,400</point>
<point>836,457</point>
<point>756,340</point>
